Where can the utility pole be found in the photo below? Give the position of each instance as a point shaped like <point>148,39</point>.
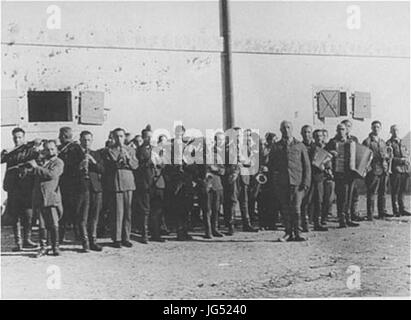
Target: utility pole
<point>228,112</point>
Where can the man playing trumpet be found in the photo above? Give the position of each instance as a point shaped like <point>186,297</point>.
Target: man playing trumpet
<point>119,163</point>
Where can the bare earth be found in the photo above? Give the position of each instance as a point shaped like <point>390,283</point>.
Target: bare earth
<point>242,266</point>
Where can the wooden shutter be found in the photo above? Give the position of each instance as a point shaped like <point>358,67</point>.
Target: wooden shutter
<point>9,108</point>
<point>362,105</point>
<point>91,108</point>
<point>328,103</point>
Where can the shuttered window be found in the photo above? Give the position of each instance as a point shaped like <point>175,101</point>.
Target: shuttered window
<point>9,108</point>
<point>361,105</point>
<point>331,103</point>
<point>91,108</point>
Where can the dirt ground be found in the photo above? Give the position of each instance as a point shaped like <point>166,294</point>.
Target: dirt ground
<point>246,265</point>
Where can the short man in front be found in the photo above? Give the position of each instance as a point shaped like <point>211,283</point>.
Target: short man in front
<point>47,198</point>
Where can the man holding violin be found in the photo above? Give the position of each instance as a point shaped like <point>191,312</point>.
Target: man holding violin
<point>19,186</point>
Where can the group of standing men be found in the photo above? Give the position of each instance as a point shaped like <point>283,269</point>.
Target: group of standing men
<point>72,185</point>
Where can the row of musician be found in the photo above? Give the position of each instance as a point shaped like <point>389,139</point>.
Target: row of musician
<point>71,184</point>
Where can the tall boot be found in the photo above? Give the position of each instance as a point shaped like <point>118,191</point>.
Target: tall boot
<point>288,236</point>
<point>370,207</point>
<point>349,222</point>
<point>27,243</point>
<point>62,232</point>
<point>317,224</point>
<point>144,229</point>
<point>207,225</point>
<point>304,222</point>
<point>247,227</point>
<point>54,234</point>
<point>382,211</point>
<point>85,244</point>
<point>17,236</point>
<point>43,243</point>
<point>230,229</point>
<point>93,244</point>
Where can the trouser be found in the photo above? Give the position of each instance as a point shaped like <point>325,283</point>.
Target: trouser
<point>88,212</point>
<point>329,186</point>
<point>69,196</point>
<point>343,190</point>
<point>376,188</point>
<point>290,199</point>
<point>317,190</point>
<point>49,223</point>
<point>181,205</point>
<point>355,199</point>
<point>21,214</point>
<point>157,212</point>
<point>106,212</point>
<point>238,192</point>
<point>121,216</point>
<point>398,181</point>
<point>254,191</point>
<point>149,205</point>
<point>269,207</point>
<point>306,207</point>
<point>210,202</point>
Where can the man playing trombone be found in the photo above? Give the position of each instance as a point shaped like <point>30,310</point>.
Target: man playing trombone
<point>19,187</point>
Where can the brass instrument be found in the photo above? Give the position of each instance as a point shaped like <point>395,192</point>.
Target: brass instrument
<point>390,155</point>
<point>36,143</point>
<point>67,145</point>
<point>39,160</point>
<point>84,165</point>
<point>261,178</point>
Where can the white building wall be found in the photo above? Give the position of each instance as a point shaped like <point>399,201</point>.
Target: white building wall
<point>159,62</point>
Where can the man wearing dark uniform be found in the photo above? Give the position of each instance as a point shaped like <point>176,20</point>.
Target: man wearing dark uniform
<point>71,154</point>
<point>400,164</point>
<point>268,205</point>
<point>317,184</point>
<point>376,178</point>
<point>19,187</point>
<point>343,178</point>
<point>179,184</point>
<point>329,186</point>
<point>306,213</point>
<point>119,163</point>
<point>146,193</point>
<point>90,193</point>
<point>290,170</point>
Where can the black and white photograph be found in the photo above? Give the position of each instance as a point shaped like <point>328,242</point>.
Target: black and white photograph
<point>220,150</point>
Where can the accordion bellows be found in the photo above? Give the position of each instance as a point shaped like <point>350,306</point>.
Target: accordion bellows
<point>353,156</point>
